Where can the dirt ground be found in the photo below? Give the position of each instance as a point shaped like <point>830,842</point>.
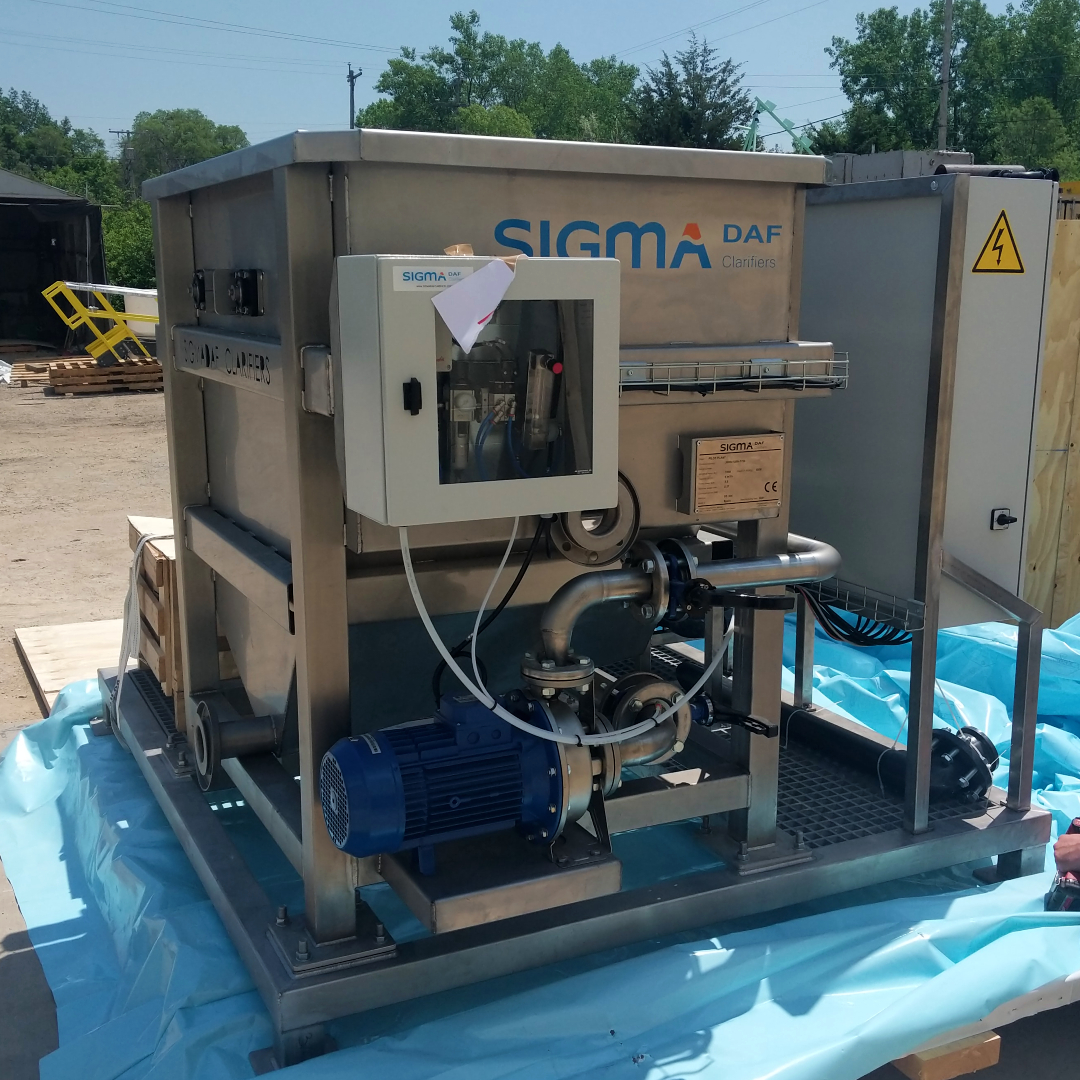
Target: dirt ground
<point>71,469</point>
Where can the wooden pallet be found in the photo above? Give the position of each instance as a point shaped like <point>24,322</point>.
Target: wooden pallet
<point>86,377</point>
<point>160,648</point>
<point>57,655</point>
<point>30,373</point>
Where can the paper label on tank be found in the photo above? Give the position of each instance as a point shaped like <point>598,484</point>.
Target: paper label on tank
<point>373,743</point>
<point>738,470</point>
<point>428,278</point>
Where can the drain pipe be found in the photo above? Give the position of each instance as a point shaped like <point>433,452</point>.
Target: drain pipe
<point>805,560</point>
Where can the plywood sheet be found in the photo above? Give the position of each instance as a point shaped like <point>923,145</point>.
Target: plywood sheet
<point>1054,518</point>
<point>58,655</point>
<point>1047,493</point>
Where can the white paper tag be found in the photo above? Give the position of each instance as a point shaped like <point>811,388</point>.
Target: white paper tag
<point>467,307</point>
<point>373,744</point>
<point>428,278</point>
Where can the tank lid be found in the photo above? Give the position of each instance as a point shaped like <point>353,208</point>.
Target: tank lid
<point>485,152</point>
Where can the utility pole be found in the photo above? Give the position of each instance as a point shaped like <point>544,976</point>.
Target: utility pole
<point>946,49</point>
<point>127,153</point>
<point>354,75</point>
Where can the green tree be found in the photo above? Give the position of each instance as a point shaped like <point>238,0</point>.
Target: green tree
<point>697,100</point>
<point>33,144</point>
<point>556,97</point>
<point>1033,134</point>
<point>497,120</point>
<point>129,245</point>
<point>172,139</point>
<point>891,74</point>
<point>36,145</point>
<point>888,74</point>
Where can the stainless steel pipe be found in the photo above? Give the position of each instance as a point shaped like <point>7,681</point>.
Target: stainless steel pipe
<point>649,745</point>
<point>805,560</point>
<point>578,595</point>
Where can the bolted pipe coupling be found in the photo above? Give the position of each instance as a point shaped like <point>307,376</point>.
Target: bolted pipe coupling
<point>219,732</point>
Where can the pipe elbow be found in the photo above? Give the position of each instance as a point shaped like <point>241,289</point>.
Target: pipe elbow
<point>823,559</point>
<point>575,597</point>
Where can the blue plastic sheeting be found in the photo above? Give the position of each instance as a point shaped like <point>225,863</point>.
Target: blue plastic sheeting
<point>147,984</point>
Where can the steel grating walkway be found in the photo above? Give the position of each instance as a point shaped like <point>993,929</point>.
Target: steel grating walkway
<point>829,803</point>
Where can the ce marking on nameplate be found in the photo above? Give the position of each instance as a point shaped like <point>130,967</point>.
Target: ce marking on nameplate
<point>1000,254</point>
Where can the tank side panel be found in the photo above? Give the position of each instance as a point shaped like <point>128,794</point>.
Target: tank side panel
<point>742,230</point>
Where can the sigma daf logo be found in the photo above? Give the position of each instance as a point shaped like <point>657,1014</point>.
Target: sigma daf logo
<point>576,238</point>
<point>428,278</point>
<point>729,447</point>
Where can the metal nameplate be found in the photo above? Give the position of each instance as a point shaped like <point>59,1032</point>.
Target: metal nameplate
<point>731,473</point>
<point>249,363</point>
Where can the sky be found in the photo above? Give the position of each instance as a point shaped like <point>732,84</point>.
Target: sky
<point>272,66</point>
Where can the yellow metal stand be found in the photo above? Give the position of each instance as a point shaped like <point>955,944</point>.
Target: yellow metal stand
<point>81,315</point>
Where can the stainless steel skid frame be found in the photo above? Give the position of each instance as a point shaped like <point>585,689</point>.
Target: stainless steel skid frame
<point>336,983</point>
<point>307,592</point>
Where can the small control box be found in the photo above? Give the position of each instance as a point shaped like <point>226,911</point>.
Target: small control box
<point>524,422</point>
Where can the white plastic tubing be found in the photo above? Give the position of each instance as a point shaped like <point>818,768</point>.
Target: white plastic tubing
<point>480,692</point>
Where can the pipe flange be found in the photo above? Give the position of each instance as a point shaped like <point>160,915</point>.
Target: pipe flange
<point>599,537</point>
<point>207,744</point>
<point>547,678</point>
<point>646,556</point>
<point>610,759</point>
<point>575,762</point>
<point>634,696</point>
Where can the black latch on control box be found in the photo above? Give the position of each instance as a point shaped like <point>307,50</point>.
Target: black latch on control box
<point>412,392</point>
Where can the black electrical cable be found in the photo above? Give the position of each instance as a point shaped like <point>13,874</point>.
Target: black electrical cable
<point>543,528</point>
<point>865,633</point>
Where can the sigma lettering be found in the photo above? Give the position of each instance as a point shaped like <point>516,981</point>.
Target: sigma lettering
<point>577,226</point>
<point>423,275</point>
<point>508,233</point>
<point>636,232</point>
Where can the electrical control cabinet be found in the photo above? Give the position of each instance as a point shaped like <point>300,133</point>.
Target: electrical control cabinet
<point>936,287</point>
<point>525,422</point>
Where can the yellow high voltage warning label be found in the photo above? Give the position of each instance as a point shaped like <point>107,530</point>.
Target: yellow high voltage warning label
<point>999,254</point>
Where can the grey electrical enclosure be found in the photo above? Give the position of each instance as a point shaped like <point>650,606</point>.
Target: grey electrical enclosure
<point>932,447</point>
<point>412,407</point>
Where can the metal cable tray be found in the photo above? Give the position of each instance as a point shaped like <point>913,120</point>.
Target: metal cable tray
<point>706,376</point>
<point>882,607</point>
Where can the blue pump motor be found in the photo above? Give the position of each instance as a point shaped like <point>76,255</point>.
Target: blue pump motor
<point>464,773</point>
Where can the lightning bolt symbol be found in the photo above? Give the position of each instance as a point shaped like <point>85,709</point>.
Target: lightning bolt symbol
<point>998,246</point>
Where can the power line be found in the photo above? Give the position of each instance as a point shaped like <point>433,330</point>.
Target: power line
<point>327,65</point>
<point>788,14</point>
<point>171,19</point>
<point>691,29</point>
<point>734,33</point>
<point>111,53</point>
